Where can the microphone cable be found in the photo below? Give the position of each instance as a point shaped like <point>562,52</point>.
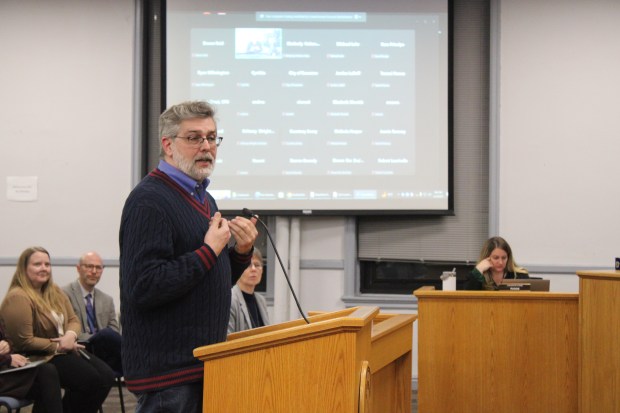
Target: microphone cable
<point>248,213</point>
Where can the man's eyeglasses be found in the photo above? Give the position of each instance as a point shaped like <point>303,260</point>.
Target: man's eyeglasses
<point>91,267</point>
<point>197,140</point>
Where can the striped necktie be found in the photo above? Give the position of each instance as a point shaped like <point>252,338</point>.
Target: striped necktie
<point>90,314</point>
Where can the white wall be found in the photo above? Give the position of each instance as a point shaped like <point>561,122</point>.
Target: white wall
<point>66,114</point>
<point>322,239</point>
<point>559,131</point>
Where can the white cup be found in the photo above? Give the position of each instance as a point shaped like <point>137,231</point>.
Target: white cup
<point>449,284</point>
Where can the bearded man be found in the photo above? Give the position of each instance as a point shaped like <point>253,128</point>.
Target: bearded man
<point>176,265</point>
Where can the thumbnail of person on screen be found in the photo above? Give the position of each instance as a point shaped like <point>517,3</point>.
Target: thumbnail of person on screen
<point>248,309</point>
<point>495,264</point>
<point>176,264</point>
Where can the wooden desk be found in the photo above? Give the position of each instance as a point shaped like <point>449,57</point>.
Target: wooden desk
<point>599,344</point>
<point>486,351</point>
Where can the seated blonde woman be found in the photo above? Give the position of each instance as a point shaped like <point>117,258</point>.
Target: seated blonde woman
<point>40,323</point>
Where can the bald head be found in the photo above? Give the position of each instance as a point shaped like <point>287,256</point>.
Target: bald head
<point>90,269</point>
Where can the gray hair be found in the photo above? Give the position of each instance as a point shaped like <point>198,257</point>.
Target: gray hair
<point>257,254</point>
<point>171,118</point>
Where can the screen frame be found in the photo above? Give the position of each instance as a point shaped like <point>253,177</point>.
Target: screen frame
<point>154,89</point>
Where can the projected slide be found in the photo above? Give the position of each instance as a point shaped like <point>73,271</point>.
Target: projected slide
<point>321,111</point>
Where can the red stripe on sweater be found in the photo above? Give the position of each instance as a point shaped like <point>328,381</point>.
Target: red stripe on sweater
<point>166,380</point>
<point>205,210</point>
<point>206,256</point>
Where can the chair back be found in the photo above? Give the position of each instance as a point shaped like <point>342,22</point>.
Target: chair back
<point>12,404</point>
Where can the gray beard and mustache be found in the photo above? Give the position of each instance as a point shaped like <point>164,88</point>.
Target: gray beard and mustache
<point>189,167</point>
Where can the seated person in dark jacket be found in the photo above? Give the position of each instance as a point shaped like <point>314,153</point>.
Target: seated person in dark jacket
<point>248,309</point>
<point>495,264</point>
<point>39,383</point>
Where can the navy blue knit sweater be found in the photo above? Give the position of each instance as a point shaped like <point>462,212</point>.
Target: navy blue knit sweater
<point>175,292</point>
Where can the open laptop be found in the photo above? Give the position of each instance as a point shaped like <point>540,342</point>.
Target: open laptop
<point>524,284</point>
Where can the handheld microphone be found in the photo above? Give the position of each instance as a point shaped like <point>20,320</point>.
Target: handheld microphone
<point>248,213</point>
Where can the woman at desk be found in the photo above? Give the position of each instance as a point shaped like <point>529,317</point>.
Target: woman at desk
<point>496,263</point>
<point>40,323</point>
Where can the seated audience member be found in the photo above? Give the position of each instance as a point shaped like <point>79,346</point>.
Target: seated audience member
<point>40,323</point>
<point>248,309</point>
<point>39,383</point>
<point>95,309</point>
<point>495,264</point>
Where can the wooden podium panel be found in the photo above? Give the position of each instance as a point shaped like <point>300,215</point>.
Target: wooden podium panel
<point>599,332</point>
<point>486,351</point>
<point>390,363</point>
<point>330,365</point>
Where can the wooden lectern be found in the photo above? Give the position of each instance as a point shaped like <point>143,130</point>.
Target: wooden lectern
<point>352,360</point>
<point>599,338</point>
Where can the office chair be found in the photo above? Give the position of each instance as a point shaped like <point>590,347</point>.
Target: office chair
<point>118,378</point>
<point>13,405</point>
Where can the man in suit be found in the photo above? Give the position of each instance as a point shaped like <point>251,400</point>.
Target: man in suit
<point>95,309</point>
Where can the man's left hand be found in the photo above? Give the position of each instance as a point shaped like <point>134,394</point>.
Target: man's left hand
<point>244,231</point>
